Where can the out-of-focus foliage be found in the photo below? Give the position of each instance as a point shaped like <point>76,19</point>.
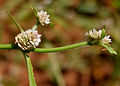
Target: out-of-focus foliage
<point>86,66</point>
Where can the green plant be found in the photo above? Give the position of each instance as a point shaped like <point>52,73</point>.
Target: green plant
<point>26,44</point>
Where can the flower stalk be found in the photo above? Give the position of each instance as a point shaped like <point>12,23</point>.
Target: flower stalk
<point>63,48</point>
<point>46,50</point>
<point>35,26</point>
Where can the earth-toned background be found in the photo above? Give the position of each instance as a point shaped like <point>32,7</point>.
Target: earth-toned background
<point>85,66</point>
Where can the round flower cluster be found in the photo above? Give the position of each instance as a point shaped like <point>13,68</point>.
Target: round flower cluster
<point>97,35</point>
<point>43,17</point>
<point>28,40</point>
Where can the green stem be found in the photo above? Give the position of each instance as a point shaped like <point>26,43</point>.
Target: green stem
<point>46,50</point>
<point>35,26</point>
<point>8,46</point>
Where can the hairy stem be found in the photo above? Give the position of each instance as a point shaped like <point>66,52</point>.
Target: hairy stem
<point>46,50</point>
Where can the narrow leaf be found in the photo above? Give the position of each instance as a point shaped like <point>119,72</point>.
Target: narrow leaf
<point>104,27</point>
<point>103,33</point>
<point>110,49</point>
<point>30,70</point>
<point>13,19</point>
<point>34,11</point>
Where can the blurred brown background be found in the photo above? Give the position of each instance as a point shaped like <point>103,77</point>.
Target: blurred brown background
<point>86,66</point>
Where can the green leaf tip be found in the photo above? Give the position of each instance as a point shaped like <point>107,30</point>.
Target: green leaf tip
<point>34,11</point>
<point>110,49</point>
<point>15,22</point>
<point>103,33</point>
<point>104,26</point>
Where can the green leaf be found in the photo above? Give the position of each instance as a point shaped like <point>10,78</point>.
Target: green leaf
<point>34,11</point>
<point>103,33</point>
<point>13,19</point>
<point>110,49</point>
<point>30,70</point>
<point>52,25</point>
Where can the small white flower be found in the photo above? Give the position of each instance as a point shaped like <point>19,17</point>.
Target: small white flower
<point>106,40</point>
<point>94,33</point>
<point>28,40</point>
<point>43,17</point>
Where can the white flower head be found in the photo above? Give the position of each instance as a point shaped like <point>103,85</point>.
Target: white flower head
<point>28,40</point>
<point>106,40</point>
<point>94,33</point>
<point>43,17</point>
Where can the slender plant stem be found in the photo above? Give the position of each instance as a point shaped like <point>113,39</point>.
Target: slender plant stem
<point>46,50</point>
<point>63,48</point>
<point>8,46</point>
<point>35,26</point>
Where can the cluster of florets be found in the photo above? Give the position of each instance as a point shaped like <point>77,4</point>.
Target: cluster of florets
<point>43,17</point>
<point>28,40</point>
<point>97,35</point>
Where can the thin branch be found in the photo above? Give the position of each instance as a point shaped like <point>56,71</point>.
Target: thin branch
<point>63,48</point>
<point>8,46</point>
<point>46,50</point>
<point>35,26</point>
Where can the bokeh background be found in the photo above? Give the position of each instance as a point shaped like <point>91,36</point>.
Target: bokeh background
<point>86,66</point>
